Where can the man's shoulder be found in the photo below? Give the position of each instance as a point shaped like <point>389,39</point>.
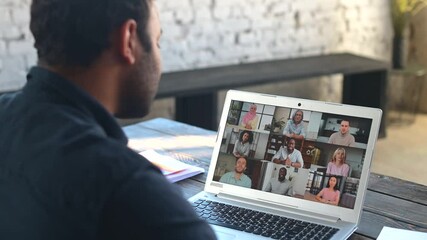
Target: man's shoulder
<point>335,134</point>
<point>66,137</point>
<point>286,182</point>
<point>226,177</point>
<point>95,147</point>
<point>246,177</point>
<point>9,104</point>
<point>31,106</point>
<point>7,98</point>
<point>297,151</point>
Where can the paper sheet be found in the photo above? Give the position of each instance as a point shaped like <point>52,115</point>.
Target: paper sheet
<point>172,169</point>
<point>388,233</point>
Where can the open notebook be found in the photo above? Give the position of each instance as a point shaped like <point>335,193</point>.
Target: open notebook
<point>307,162</point>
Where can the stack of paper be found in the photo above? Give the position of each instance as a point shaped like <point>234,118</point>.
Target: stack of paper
<point>172,169</point>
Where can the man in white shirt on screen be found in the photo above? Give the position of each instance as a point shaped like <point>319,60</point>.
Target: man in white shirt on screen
<point>280,185</point>
<point>288,155</point>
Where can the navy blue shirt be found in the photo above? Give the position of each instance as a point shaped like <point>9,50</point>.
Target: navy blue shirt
<point>66,172</point>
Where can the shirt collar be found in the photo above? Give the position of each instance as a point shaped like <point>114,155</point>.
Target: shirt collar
<point>64,89</point>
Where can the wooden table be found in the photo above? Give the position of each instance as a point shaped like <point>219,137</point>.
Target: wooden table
<point>389,202</point>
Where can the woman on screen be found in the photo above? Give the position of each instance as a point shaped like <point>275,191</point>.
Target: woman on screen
<point>243,144</point>
<point>337,165</point>
<point>250,120</point>
<point>330,194</point>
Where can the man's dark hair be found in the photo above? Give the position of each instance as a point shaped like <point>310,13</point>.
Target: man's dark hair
<point>345,120</point>
<point>76,32</point>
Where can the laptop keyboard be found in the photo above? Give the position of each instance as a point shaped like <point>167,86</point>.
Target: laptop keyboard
<point>259,223</point>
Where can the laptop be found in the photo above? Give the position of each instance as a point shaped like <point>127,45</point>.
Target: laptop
<point>304,171</point>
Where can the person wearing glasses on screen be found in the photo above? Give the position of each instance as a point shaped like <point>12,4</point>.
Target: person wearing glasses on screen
<point>294,127</point>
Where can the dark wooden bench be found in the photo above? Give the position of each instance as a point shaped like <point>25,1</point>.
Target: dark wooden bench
<point>195,91</point>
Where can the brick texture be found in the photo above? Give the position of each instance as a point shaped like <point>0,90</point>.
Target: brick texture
<point>202,33</point>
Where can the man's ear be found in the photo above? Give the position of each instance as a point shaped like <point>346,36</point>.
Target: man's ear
<point>128,41</point>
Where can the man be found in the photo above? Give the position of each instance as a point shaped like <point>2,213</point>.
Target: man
<point>237,177</point>
<point>343,137</point>
<point>280,185</point>
<point>65,169</point>
<point>288,155</point>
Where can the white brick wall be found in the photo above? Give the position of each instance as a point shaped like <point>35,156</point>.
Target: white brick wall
<point>5,17</point>
<point>201,33</point>
<point>2,48</point>
<point>20,15</point>
<point>16,44</point>
<point>21,48</point>
<point>11,33</point>
<point>298,28</point>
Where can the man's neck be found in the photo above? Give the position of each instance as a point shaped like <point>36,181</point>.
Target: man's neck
<point>88,79</point>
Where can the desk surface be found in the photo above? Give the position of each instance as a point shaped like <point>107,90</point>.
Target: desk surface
<point>389,202</point>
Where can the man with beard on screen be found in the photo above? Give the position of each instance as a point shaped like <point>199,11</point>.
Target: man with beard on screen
<point>237,177</point>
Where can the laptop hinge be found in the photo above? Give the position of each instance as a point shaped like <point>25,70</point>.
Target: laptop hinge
<point>272,205</point>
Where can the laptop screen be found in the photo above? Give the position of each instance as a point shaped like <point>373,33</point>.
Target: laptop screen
<point>300,153</point>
